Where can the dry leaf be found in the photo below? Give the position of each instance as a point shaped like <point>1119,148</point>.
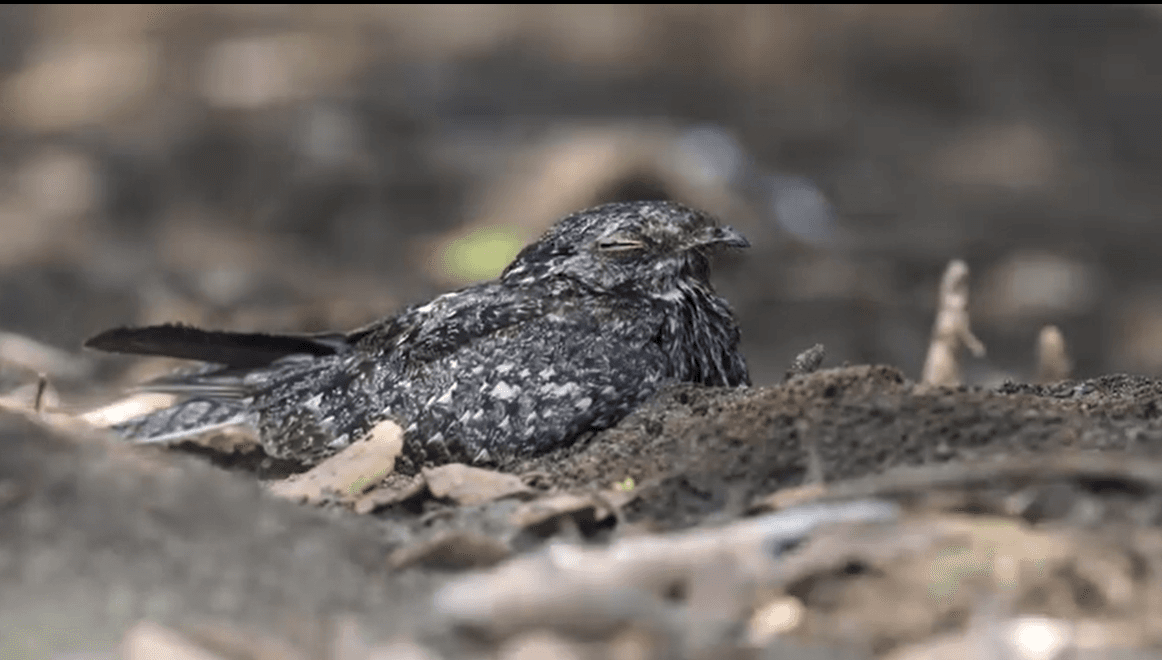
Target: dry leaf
<point>238,642</point>
<point>390,494</point>
<point>350,472</point>
<point>132,406</point>
<point>590,506</point>
<point>452,549</point>
<point>148,640</point>
<point>468,485</point>
<point>786,498</point>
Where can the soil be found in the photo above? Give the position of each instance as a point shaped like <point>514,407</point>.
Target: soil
<point>101,536</point>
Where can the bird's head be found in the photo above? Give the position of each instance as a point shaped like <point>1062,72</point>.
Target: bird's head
<point>643,248</point>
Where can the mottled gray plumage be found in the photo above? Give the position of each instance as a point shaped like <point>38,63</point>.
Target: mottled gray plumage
<point>582,327</point>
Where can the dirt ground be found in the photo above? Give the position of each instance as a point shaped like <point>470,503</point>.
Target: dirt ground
<point>1010,507</point>
<point>306,169</point>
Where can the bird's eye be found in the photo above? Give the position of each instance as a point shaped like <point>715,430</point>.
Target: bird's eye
<point>619,244</point>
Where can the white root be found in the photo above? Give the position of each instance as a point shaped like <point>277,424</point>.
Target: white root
<point>951,331</point>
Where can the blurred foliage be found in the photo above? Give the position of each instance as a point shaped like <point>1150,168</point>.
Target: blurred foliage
<point>482,254</point>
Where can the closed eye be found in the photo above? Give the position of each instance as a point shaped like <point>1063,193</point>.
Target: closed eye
<point>619,244</point>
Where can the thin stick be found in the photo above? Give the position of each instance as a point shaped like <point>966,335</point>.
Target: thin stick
<point>1053,363</point>
<point>41,387</point>
<point>951,331</point>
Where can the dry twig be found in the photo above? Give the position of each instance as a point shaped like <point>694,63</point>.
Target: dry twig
<point>1053,363</point>
<point>951,332</point>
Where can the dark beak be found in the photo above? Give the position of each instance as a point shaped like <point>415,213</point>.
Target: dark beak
<point>724,235</point>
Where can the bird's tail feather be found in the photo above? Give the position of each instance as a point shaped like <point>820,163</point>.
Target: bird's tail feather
<point>186,419</point>
<point>234,349</point>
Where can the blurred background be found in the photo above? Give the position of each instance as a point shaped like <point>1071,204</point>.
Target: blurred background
<point>308,168</point>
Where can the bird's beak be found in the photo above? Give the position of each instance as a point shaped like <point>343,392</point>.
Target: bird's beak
<point>724,235</point>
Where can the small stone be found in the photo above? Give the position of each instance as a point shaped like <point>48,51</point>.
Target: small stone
<point>775,618</point>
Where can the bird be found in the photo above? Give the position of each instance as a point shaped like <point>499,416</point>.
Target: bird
<point>588,322</point>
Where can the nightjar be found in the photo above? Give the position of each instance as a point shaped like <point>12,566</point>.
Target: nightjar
<point>582,327</point>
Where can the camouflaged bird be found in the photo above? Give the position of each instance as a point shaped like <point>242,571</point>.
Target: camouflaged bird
<point>582,327</point>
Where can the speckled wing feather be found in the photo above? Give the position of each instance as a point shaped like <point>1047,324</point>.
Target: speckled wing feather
<point>224,395</point>
<point>522,393</point>
<point>425,332</point>
<point>515,388</point>
<point>187,419</point>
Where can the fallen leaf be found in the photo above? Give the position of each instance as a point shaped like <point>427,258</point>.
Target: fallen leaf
<point>452,549</point>
<point>148,640</point>
<point>234,641</point>
<point>468,485</point>
<point>132,406</point>
<point>786,498</point>
<point>388,495</point>
<point>584,508</point>
<point>350,472</point>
